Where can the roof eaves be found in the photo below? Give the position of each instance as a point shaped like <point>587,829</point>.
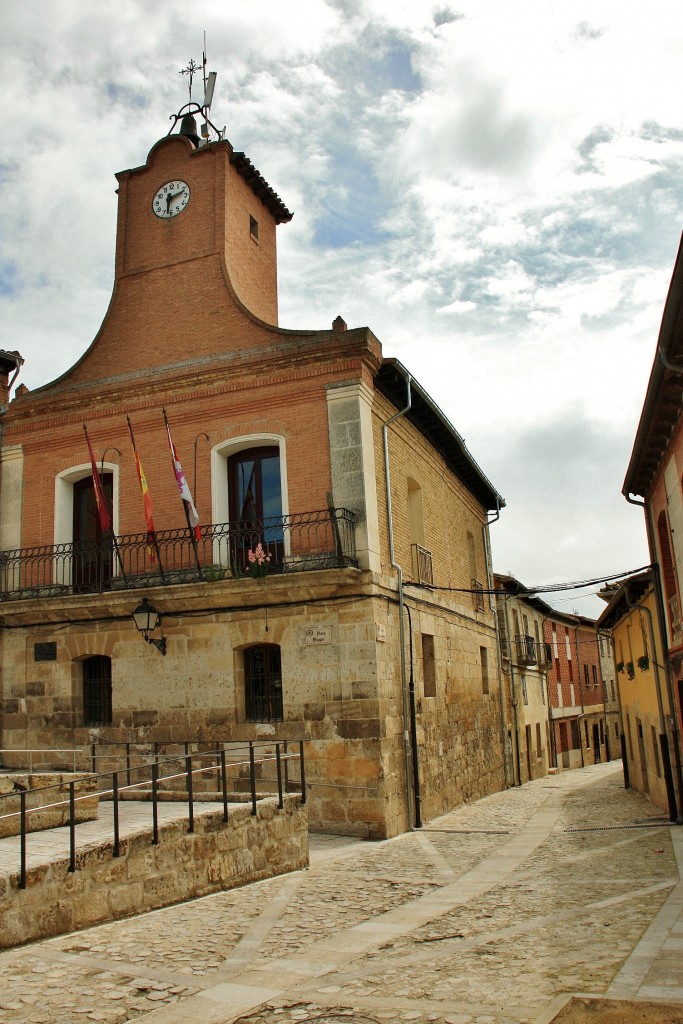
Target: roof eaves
<point>432,423</point>
<point>637,480</point>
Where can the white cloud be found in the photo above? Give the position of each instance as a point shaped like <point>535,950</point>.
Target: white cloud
<point>495,190</point>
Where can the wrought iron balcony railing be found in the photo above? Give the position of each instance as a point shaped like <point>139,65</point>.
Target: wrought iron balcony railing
<point>526,649</point>
<point>308,540</point>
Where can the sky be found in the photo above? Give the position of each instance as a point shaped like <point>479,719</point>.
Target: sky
<point>494,187</point>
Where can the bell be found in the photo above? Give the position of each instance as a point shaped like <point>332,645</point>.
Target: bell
<point>188,127</point>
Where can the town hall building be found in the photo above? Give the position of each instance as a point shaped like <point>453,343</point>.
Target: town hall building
<point>309,528</point>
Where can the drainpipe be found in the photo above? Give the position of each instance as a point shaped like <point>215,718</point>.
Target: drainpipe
<point>413,725</point>
<point>517,764</point>
<point>551,721</point>
<point>668,365</point>
<point>401,605</point>
<point>493,605</point>
<point>603,687</point>
<point>582,716</point>
<point>661,623</point>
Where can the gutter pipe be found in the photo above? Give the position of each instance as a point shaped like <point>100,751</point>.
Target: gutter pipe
<point>401,626</point>
<point>517,764</point>
<point>493,603</point>
<point>582,716</point>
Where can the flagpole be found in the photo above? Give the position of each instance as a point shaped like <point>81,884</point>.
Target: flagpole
<point>101,503</point>
<point>150,532</point>
<point>174,456</point>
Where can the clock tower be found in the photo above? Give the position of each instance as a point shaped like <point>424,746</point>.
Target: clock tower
<point>195,243</point>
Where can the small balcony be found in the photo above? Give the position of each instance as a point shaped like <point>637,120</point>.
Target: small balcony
<point>526,649</point>
<point>308,540</point>
<point>422,566</point>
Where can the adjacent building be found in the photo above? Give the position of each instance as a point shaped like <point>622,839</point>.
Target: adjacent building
<point>576,686</point>
<point>631,615</point>
<point>525,663</point>
<point>654,482</point>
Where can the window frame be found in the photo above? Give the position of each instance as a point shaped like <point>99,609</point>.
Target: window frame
<point>274,704</point>
<point>104,699</point>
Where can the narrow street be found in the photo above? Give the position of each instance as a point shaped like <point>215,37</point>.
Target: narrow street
<point>493,914</point>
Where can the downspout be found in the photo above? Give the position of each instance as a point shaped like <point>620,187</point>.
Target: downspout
<point>603,687</point>
<point>661,622</point>
<point>582,716</point>
<point>493,606</point>
<point>551,720</point>
<point>401,605</point>
<point>517,762</point>
<point>413,724</point>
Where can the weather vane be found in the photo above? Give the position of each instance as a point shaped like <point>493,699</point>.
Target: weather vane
<point>191,70</point>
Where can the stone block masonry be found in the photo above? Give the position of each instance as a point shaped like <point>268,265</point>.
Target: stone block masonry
<point>183,866</point>
<point>47,803</point>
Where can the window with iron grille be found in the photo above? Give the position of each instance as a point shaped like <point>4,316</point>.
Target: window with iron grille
<point>97,690</point>
<point>263,683</point>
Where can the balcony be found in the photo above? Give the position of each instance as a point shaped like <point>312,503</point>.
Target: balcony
<point>526,650</point>
<point>308,540</point>
<point>422,566</point>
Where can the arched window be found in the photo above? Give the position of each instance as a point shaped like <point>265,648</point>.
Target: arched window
<point>249,491</point>
<point>263,683</point>
<point>93,553</point>
<point>77,524</point>
<point>97,690</point>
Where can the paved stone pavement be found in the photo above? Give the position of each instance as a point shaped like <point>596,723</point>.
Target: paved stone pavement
<point>492,914</point>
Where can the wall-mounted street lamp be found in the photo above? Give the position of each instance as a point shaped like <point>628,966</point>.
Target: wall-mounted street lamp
<point>146,619</point>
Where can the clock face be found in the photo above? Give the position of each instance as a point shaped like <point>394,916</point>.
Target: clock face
<point>171,199</point>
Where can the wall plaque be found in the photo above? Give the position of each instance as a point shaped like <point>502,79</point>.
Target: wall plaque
<point>46,651</point>
<point>318,635</point>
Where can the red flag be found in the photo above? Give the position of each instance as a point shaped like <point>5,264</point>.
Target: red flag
<point>146,498</point>
<point>185,494</point>
<point>102,511</point>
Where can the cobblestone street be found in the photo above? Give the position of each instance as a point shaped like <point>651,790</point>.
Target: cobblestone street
<point>492,914</point>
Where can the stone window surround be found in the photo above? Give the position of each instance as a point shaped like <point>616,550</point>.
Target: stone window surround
<point>64,498</point>
<point>220,453</point>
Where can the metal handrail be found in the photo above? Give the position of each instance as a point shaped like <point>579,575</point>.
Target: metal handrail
<point>321,539</point>
<point>281,762</point>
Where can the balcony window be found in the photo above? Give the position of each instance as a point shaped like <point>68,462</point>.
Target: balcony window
<point>526,649</point>
<point>93,552</point>
<point>255,502</point>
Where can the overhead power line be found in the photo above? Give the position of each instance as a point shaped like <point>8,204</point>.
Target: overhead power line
<point>544,588</point>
